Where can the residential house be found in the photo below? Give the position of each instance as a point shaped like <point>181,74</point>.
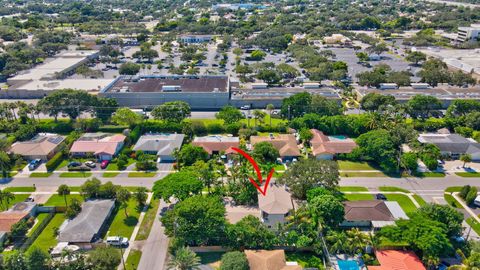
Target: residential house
<point>162,145</point>
<point>217,144</point>
<point>286,144</point>
<point>326,147</point>
<point>18,212</point>
<point>397,260</point>
<point>452,145</point>
<point>43,146</point>
<point>102,146</point>
<point>372,213</point>
<point>269,260</point>
<point>275,205</point>
<point>88,226</point>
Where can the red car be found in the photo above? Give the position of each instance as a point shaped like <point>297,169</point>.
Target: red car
<point>104,164</point>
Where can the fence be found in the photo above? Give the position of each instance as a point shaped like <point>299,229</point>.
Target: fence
<point>37,232</point>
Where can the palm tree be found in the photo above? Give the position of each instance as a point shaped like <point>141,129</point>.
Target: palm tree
<point>64,190</point>
<point>338,241</point>
<point>258,115</point>
<point>356,240</point>
<point>466,158</point>
<point>184,259</point>
<point>270,109</point>
<point>12,106</point>
<point>5,198</point>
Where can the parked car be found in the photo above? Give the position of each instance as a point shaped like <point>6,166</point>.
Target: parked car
<point>380,196</point>
<point>34,164</point>
<point>90,164</point>
<point>104,164</point>
<point>74,164</point>
<point>117,241</point>
<point>29,199</point>
<point>245,107</point>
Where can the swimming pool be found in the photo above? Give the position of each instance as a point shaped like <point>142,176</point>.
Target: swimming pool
<point>338,137</point>
<point>348,265</point>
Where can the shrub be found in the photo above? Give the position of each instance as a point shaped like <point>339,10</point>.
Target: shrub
<point>215,128</point>
<point>464,192</point>
<point>199,128</point>
<point>55,127</point>
<point>431,163</point>
<point>472,194</point>
<point>79,169</point>
<point>234,260</point>
<point>121,163</point>
<point>54,161</point>
<point>135,134</point>
<point>233,129</point>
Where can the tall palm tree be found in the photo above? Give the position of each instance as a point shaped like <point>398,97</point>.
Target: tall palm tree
<point>184,259</point>
<point>338,241</point>
<point>270,109</point>
<point>64,190</point>
<point>356,240</point>
<point>12,106</point>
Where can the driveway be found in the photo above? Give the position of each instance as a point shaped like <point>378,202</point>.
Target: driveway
<point>155,248</point>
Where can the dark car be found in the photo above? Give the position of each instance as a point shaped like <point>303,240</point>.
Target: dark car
<point>74,164</point>
<point>380,196</point>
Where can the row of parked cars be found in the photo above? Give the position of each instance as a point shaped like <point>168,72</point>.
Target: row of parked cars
<point>90,164</point>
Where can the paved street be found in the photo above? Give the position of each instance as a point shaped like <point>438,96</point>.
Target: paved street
<point>154,252</point>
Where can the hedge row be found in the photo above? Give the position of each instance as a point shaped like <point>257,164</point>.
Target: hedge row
<point>54,161</point>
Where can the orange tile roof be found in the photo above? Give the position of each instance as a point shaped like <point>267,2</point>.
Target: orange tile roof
<point>322,144</point>
<point>286,144</point>
<point>397,260</point>
<point>210,147</point>
<point>7,219</point>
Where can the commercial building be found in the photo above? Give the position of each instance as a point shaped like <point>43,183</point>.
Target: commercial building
<point>43,146</point>
<point>466,60</point>
<point>88,226</point>
<point>374,213</point>
<point>468,33</point>
<point>260,98</point>
<point>452,145</point>
<point>444,92</point>
<point>187,38</point>
<point>44,78</point>
<point>201,92</point>
<point>161,145</point>
<point>102,146</point>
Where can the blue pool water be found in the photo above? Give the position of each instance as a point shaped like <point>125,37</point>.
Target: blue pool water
<point>338,137</point>
<point>348,265</point>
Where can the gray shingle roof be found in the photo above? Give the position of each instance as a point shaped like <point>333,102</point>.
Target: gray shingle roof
<point>84,227</point>
<point>163,144</point>
<point>452,143</point>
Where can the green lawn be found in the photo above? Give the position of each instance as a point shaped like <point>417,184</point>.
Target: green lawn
<point>57,200</point>
<point>419,199</point>
<point>354,166</point>
<point>358,197</point>
<point>474,224</point>
<point>133,259</point>
<point>75,174</point>
<point>210,257</point>
<point>148,220</point>
<point>40,174</point>
<point>142,174</point>
<point>404,202</point>
<point>453,189</point>
<point>393,189</point>
<point>62,164</point>
<point>18,198</point>
<point>304,259</point>
<point>429,174</point>
<point>352,188</point>
<point>123,225</point>
<point>362,174</point>
<point>40,217</point>
<point>451,201</point>
<point>110,174</point>
<point>113,166</point>
<point>20,189</point>
<point>47,238</point>
<point>468,174</point>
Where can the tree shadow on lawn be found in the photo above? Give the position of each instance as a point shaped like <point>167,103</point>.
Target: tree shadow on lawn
<point>130,221</point>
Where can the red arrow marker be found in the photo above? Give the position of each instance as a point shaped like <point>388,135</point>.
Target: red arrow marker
<point>257,170</point>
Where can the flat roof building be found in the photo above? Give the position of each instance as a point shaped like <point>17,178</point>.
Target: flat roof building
<point>444,92</point>
<point>201,92</point>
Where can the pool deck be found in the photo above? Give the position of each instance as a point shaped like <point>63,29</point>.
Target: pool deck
<point>343,257</point>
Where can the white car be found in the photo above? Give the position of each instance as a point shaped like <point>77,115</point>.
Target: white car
<point>117,241</point>
<point>90,164</point>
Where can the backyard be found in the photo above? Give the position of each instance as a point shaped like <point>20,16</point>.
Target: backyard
<point>47,237</point>
<point>123,225</point>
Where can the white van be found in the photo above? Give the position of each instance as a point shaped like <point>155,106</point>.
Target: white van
<point>476,202</point>
<point>117,241</point>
